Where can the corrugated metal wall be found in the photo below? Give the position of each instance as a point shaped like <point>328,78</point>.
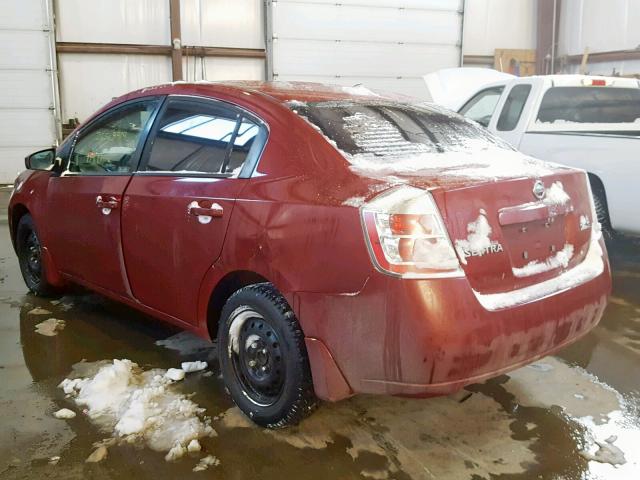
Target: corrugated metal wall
<point>491,24</point>
<point>600,26</point>
<point>384,44</point>
<point>89,80</point>
<point>27,83</point>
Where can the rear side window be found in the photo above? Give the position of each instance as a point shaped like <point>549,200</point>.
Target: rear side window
<point>590,105</point>
<point>513,106</point>
<point>202,137</point>
<point>481,107</point>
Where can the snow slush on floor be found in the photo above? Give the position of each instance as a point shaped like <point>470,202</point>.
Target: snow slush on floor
<point>138,406</point>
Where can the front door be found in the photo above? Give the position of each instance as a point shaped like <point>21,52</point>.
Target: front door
<point>84,203</point>
<point>177,207</point>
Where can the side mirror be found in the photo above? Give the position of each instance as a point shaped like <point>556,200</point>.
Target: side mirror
<point>42,160</point>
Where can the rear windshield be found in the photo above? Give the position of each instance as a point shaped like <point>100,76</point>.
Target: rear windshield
<point>590,105</point>
<point>394,130</point>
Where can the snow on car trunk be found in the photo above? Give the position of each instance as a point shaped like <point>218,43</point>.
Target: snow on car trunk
<point>132,405</point>
<point>520,232</point>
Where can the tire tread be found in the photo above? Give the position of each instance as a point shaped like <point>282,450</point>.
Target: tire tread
<point>305,400</point>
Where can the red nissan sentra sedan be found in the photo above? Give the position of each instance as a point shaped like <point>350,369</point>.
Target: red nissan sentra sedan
<point>332,240</point>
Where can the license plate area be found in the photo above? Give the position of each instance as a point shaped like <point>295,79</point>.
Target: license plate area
<point>534,241</point>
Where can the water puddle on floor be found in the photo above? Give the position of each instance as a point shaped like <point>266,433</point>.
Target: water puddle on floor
<point>573,417</point>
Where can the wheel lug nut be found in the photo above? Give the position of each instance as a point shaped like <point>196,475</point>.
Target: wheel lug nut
<point>264,351</point>
<point>264,369</point>
<point>254,345</point>
<point>252,363</point>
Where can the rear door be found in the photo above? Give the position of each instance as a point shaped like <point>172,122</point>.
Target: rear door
<point>177,207</point>
<point>83,203</point>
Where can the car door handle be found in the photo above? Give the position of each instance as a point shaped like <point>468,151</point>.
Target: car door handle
<point>107,202</point>
<point>215,210</point>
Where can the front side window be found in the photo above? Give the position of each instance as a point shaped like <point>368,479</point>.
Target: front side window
<point>481,107</point>
<point>513,107</point>
<point>201,137</point>
<point>110,145</point>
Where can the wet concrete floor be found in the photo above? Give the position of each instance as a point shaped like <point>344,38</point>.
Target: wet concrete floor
<point>575,416</point>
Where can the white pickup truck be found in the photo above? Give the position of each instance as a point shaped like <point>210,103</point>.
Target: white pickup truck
<point>588,122</point>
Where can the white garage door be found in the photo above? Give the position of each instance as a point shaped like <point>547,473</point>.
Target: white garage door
<point>384,44</point>
<point>27,70</point>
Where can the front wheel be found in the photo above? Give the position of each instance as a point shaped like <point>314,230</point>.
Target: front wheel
<point>263,357</point>
<point>30,257</point>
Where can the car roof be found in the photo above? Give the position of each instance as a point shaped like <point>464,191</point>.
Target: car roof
<point>279,91</point>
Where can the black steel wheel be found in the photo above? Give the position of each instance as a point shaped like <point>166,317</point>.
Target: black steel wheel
<point>29,252</point>
<point>263,357</point>
<point>257,357</point>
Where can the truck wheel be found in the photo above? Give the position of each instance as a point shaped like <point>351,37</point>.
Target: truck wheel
<point>263,357</point>
<point>29,257</point>
<point>600,203</point>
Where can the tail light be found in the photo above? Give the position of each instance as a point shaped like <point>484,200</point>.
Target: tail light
<point>407,237</point>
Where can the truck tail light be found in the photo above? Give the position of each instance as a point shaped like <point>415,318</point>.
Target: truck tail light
<point>595,82</point>
<point>406,236</point>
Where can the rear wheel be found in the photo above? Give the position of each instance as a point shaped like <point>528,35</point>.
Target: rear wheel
<point>30,257</point>
<point>263,357</point>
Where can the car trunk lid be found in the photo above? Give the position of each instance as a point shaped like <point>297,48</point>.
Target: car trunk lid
<point>519,231</point>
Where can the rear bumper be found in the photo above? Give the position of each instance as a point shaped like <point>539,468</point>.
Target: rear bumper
<point>433,337</point>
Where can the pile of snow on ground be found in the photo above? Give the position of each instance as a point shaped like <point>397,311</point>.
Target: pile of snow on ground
<point>136,405</point>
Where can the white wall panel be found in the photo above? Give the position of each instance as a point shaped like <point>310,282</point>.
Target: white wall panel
<point>491,24</point>
<point>222,23</point>
<point>24,49</point>
<point>26,128</point>
<point>222,68</point>
<point>359,59</point>
<point>353,23</point>
<point>113,21</point>
<point>23,131</point>
<point>598,25</point>
<point>384,44</point>
<point>27,71</point>
<point>413,4</point>
<point>87,81</point>
<point>27,14</point>
<point>25,89</point>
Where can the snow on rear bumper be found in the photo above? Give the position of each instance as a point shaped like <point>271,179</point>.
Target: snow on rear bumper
<point>432,337</point>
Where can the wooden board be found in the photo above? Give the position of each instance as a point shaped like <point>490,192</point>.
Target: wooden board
<point>521,63</point>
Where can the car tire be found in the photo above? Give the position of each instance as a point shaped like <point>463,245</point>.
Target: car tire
<point>29,252</point>
<point>602,212</point>
<point>263,357</point>
<point>601,205</point>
